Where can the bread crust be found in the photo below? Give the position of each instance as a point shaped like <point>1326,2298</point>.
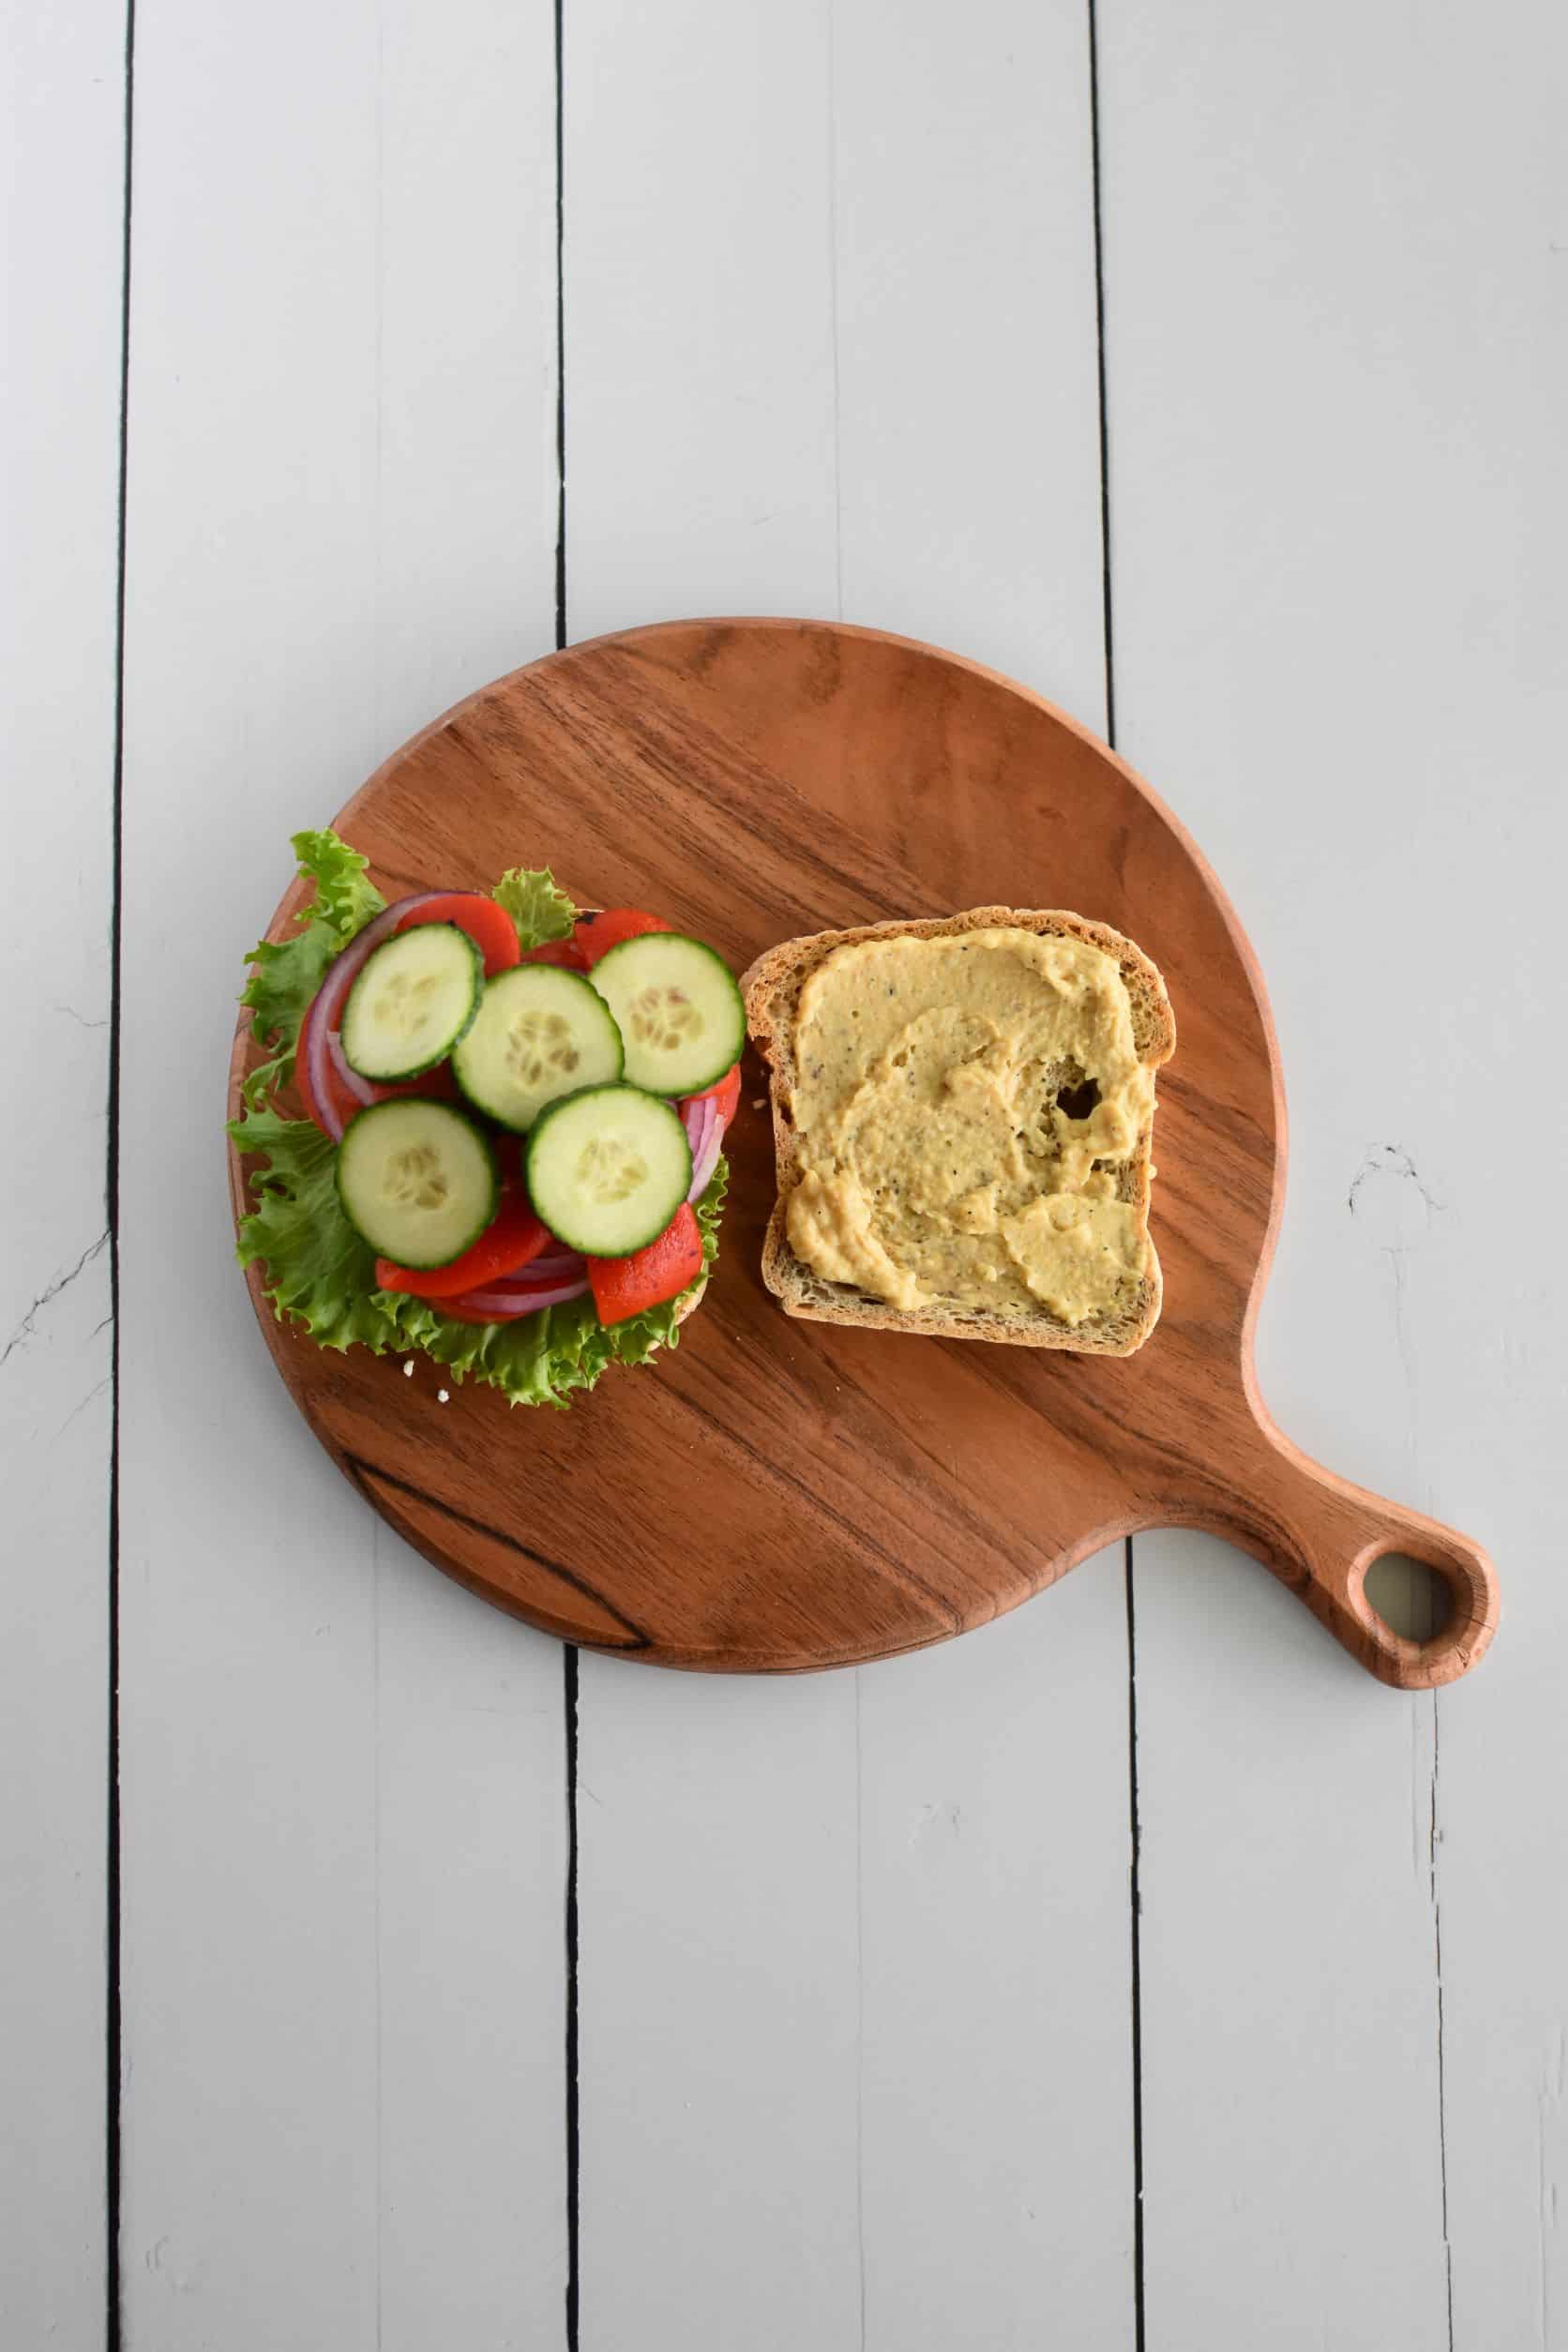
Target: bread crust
<point>772,989</point>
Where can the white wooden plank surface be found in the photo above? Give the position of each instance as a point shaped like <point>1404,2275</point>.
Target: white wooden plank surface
<point>1336,343</point>
<point>61,114</point>
<point>343,1784</point>
<point>855,1951</point>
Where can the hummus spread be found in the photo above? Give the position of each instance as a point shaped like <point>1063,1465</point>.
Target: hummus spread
<point>963,1105</point>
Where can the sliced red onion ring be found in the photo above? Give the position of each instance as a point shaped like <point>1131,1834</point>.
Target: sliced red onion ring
<point>552,1265</point>
<point>526,1281</point>
<point>697,1116</point>
<point>361,1089</point>
<point>704,1133</point>
<point>703,1169</point>
<point>325,1014</point>
<point>504,1302</point>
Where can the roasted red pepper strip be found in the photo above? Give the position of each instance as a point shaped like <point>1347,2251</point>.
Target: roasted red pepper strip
<point>623,1287</point>
<point>507,1242</point>
<point>598,934</point>
<point>488,924</point>
<point>726,1094</point>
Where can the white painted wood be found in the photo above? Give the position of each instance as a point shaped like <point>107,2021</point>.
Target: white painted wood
<point>343,1779</point>
<point>997,2174</point>
<point>1337,339</point>
<point>61,111</point>
<point>719,2017</point>
<point>1288,1986</point>
<point>699,311</point>
<point>855,1951</point>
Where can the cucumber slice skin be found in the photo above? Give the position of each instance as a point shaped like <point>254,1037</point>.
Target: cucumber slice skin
<point>407,944</point>
<point>556,1187</point>
<point>555,992</point>
<point>657,959</point>
<point>422,1123</point>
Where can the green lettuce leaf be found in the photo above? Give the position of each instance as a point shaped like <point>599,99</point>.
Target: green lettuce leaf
<point>286,974</point>
<point>345,901</point>
<point>540,912</point>
<point>317,1267</point>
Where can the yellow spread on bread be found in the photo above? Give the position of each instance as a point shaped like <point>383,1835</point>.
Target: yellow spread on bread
<point>941,1165</point>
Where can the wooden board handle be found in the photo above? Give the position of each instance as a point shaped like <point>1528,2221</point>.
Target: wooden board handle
<point>1321,1534</point>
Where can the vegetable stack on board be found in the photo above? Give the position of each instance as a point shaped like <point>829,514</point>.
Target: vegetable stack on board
<point>511,1158</point>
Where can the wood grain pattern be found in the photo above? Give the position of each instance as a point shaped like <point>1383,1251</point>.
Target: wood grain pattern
<point>856,1495</point>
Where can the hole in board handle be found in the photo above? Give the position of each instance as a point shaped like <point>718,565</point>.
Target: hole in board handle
<point>1408,1597</point>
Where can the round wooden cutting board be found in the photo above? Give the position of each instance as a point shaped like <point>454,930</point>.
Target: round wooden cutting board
<point>774,1495</point>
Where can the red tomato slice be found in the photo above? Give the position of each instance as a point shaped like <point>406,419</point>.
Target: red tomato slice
<point>437,1085</point>
<point>342,1102</point>
<point>600,932</point>
<point>625,1285</point>
<point>488,925</point>
<point>726,1093</point>
<point>510,1242</point>
<point>302,1088</point>
<point>563,952</point>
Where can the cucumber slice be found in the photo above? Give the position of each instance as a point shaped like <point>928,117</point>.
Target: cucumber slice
<point>677,1007</point>
<point>608,1168</point>
<point>540,1032</point>
<point>417,1181</point>
<point>416,995</point>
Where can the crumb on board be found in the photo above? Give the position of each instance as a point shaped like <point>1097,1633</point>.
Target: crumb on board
<point>759,1102</point>
<point>441,1395</point>
<point>408,1369</point>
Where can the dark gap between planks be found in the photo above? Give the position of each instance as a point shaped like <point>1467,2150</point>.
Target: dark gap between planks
<point>569,1668</point>
<point>1134,1892</point>
<point>113,2027</point>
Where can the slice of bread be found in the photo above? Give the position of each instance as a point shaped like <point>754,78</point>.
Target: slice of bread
<point>773,989</point>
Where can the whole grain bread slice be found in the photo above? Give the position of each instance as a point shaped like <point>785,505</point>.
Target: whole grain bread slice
<point>773,987</point>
